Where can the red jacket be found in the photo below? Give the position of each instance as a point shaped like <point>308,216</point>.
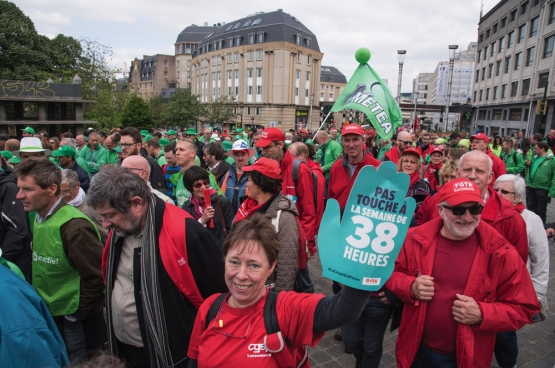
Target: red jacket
<point>316,169</point>
<point>303,193</point>
<point>430,175</point>
<point>507,221</point>
<point>426,152</point>
<point>392,155</point>
<point>340,180</point>
<point>498,281</point>
<point>498,166</point>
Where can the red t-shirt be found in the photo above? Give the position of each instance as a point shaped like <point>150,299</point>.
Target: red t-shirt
<point>452,263</point>
<point>226,346</point>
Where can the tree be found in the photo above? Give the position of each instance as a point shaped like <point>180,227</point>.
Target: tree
<point>219,111</point>
<point>157,106</point>
<point>182,110</point>
<point>136,113</point>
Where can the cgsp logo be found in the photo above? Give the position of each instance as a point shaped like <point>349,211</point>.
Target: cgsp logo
<point>257,348</point>
<point>371,281</point>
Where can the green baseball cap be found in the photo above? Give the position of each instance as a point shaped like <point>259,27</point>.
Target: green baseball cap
<point>147,138</point>
<point>144,133</point>
<point>237,137</point>
<point>64,151</point>
<point>164,142</point>
<point>464,143</point>
<point>239,130</point>
<point>29,130</point>
<point>14,160</point>
<point>171,132</point>
<point>6,154</point>
<point>440,141</point>
<point>309,142</point>
<point>191,131</point>
<point>227,145</point>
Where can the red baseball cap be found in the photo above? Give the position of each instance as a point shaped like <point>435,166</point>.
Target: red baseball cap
<point>411,151</point>
<point>303,131</point>
<point>481,136</point>
<point>268,136</point>
<point>265,166</point>
<point>352,129</point>
<point>436,149</point>
<point>459,191</point>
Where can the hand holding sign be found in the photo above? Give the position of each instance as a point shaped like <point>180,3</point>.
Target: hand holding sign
<point>360,249</point>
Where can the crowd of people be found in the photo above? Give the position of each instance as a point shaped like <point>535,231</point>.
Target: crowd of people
<point>158,247</point>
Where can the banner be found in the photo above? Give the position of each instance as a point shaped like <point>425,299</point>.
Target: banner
<point>366,92</point>
<point>360,249</point>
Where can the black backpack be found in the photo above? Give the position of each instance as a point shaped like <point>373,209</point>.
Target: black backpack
<point>296,165</point>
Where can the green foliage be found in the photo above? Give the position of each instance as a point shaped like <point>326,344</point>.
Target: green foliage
<point>219,111</point>
<point>182,110</point>
<point>157,106</point>
<point>136,113</point>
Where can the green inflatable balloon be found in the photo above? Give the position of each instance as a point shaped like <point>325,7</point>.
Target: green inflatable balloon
<point>362,55</point>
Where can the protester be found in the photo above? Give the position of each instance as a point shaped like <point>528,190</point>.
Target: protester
<point>152,293</point>
<point>431,172</point>
<point>80,142</point>
<point>404,141</point>
<point>480,142</point>
<point>514,162</point>
<point>31,147</point>
<point>94,154</point>
<point>234,183</point>
<point>540,181</point>
<point>154,149</point>
<point>66,157</point>
<point>114,150</point>
<point>214,157</point>
<point>139,166</point>
<point>464,144</point>
<point>426,148</point>
<point>302,319</point>
<point>27,132</point>
<point>170,169</point>
<point>67,255</point>
<point>410,164</point>
<point>448,320</point>
<point>216,216</point>
<point>329,152</point>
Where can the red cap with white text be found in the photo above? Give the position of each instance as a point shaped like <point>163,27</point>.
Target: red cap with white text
<point>460,191</point>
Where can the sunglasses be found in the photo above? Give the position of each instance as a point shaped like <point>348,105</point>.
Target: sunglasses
<point>405,142</point>
<point>503,191</point>
<point>460,210</point>
<point>206,183</point>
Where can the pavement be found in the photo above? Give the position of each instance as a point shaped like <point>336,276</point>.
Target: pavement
<point>536,342</point>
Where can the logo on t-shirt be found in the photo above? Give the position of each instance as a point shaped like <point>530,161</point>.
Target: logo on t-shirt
<point>258,351</point>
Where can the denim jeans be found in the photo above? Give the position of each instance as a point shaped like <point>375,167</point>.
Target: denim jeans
<point>303,282</point>
<point>506,349</point>
<point>74,337</point>
<point>365,335</point>
<point>427,358</point>
<point>536,201</point>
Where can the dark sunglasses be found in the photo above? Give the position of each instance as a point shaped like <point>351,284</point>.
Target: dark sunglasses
<point>405,142</point>
<point>206,183</point>
<point>503,191</point>
<point>460,210</point>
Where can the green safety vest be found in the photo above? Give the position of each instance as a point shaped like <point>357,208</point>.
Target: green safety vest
<point>182,194</point>
<point>54,279</point>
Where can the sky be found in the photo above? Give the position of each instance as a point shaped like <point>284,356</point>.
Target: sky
<point>133,28</point>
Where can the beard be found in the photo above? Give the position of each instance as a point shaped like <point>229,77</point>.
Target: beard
<point>134,228</point>
<point>458,231</point>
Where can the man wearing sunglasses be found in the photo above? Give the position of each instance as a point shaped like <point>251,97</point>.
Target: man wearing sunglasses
<point>461,283</point>
<point>404,140</point>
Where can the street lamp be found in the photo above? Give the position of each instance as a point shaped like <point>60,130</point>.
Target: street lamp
<point>401,54</point>
<point>415,103</point>
<point>452,49</point>
<point>252,122</point>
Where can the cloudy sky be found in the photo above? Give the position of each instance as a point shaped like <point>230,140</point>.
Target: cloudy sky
<point>134,28</point>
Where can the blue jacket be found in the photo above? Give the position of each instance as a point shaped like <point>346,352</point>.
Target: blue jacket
<point>28,335</point>
<point>234,189</point>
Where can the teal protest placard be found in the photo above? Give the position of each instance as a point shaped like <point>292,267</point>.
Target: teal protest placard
<point>360,249</point>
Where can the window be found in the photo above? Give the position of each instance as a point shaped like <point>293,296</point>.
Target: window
<point>307,42</point>
<point>518,60</point>
<point>494,29</point>
<point>259,54</point>
<point>251,38</point>
<point>521,33</point>
<point>483,73</point>
<point>236,57</point>
<point>247,23</point>
<point>524,8</point>
<point>249,90</point>
<point>220,44</point>
<point>248,110</point>
<point>165,63</point>
<point>331,79</point>
<point>237,40</point>
<point>299,57</point>
<point>487,33</point>
<point>503,22</point>
<point>298,39</point>
<point>322,96</point>
<point>229,74</point>
<point>178,63</point>
<point>487,94</point>
<point>297,91</point>
<point>504,91</point>
<point>237,91</point>
<point>298,74</point>
<point>485,52</point>
<point>490,71</point>
<point>548,47</point>
<point>177,75</point>
<point>501,43</point>
<point>165,74</point>
<point>534,23</point>
<point>237,74</point>
<point>512,16</point>
<point>515,114</point>
<point>525,87</point>
<point>258,90</point>
<point>542,80</point>
<point>510,39</point>
<point>479,55</point>
<point>498,68</point>
<point>308,58</point>
<point>492,48</point>
<point>260,37</point>
<point>308,76</point>
<point>259,72</point>
<point>481,94</point>
<point>257,111</point>
<point>475,93</point>
<point>219,60</point>
<point>331,96</point>
<point>551,13</point>
<point>507,64</point>
<point>249,73</point>
<point>229,58</point>
<point>530,53</point>
<point>477,75</point>
<point>481,38</point>
<point>230,42</point>
<point>188,62</point>
<point>249,55</point>
<point>257,21</point>
<point>514,88</point>
<point>495,90</point>
<point>306,92</point>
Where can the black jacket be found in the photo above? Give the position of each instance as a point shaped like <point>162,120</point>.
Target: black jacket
<point>220,170</point>
<point>156,174</point>
<point>84,179</point>
<point>200,152</point>
<point>228,215</point>
<point>15,236</point>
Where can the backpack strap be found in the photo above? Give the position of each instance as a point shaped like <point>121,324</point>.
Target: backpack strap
<point>296,165</point>
<point>270,315</point>
<point>274,342</point>
<point>213,311</point>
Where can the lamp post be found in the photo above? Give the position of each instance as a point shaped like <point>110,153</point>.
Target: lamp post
<point>415,103</point>
<point>252,122</point>
<point>452,49</point>
<point>401,54</point>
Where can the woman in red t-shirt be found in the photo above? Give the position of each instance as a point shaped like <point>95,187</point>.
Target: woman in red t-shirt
<point>236,336</point>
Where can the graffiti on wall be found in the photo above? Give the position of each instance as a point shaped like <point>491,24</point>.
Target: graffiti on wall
<point>13,88</point>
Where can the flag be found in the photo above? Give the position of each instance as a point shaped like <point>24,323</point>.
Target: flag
<point>416,124</point>
<point>366,92</point>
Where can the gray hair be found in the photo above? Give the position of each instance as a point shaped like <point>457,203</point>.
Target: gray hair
<point>70,178</point>
<point>116,186</point>
<point>519,185</point>
<point>69,142</point>
<point>470,155</point>
<point>322,134</point>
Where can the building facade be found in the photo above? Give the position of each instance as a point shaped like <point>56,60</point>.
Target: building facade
<point>515,56</point>
<point>332,82</point>
<point>152,75</point>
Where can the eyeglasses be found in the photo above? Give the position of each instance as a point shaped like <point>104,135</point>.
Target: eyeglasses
<point>271,145</point>
<point>461,210</point>
<point>134,168</point>
<point>127,145</point>
<point>199,185</point>
<point>405,142</point>
<point>503,191</point>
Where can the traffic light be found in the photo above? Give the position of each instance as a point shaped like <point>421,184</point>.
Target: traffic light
<point>326,111</point>
<point>541,108</point>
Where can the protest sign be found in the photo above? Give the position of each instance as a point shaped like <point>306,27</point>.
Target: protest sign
<point>360,249</point>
